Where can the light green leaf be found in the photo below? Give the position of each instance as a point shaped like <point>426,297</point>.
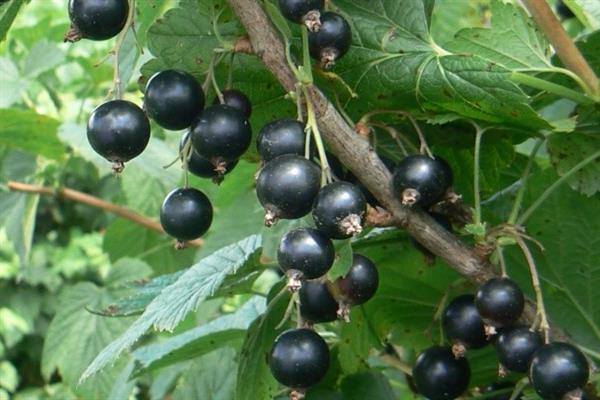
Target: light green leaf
<point>43,56</point>
<point>29,131</point>
<point>126,270</point>
<point>8,13</point>
<point>75,336</point>
<point>9,377</point>
<point>223,331</point>
<point>587,11</point>
<point>196,284</point>
<point>10,82</point>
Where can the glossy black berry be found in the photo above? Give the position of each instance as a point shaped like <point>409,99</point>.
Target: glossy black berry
<point>299,358</point>
<point>556,369</point>
<point>462,324</point>
<point>96,19</point>
<point>306,250</point>
<point>316,302</point>
<point>340,210</point>
<point>332,41</point>
<point>361,282</point>
<point>438,375</point>
<point>287,186</point>
<point>515,347</point>
<point>283,136</point>
<point>186,214</point>
<point>202,167</point>
<point>298,10</point>
<point>221,134</point>
<point>500,301</point>
<point>238,100</point>
<point>421,180</point>
<point>173,99</point>
<point>118,130</point>
<point>350,177</point>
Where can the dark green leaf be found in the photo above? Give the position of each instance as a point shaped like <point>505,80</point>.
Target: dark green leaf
<point>367,385</point>
<point>8,13</point>
<point>30,132</point>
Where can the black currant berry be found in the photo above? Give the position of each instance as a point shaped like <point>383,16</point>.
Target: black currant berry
<point>173,99</point>
<point>236,99</point>
<point>360,283</point>
<point>287,186</point>
<point>118,130</point>
<point>299,358</point>
<point>339,210</point>
<point>421,180</point>
<point>303,12</point>
<point>316,302</point>
<point>563,11</point>
<point>307,251</point>
<point>462,324</point>
<point>500,302</point>
<point>201,166</point>
<point>283,136</point>
<point>96,19</point>
<point>556,369</point>
<point>221,134</point>
<point>438,375</point>
<point>186,214</point>
<point>332,41</point>
<point>515,347</point>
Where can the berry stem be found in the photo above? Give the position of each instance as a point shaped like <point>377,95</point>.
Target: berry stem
<point>210,70</point>
<point>84,198</point>
<point>314,128</point>
<point>307,77</point>
<point>541,84</point>
<point>185,154</point>
<point>555,186</point>
<point>519,386</point>
<point>519,199</point>
<point>298,96</point>
<point>396,136</point>
<point>537,288</point>
<point>476,172</point>
<point>116,91</point>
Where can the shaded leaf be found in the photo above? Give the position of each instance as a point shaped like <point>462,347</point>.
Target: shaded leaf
<point>31,132</point>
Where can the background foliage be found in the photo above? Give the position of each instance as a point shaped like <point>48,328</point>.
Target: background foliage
<point>81,289</point>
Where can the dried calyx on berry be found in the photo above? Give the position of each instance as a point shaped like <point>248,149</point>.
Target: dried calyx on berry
<point>339,210</point>
<point>307,12</point>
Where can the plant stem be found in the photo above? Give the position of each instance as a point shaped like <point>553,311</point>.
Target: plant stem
<point>555,186</point>
<point>306,64</point>
<point>537,288</point>
<point>476,171</point>
<point>563,45</point>
<point>550,87</point>
<point>519,199</point>
<point>314,128</point>
<point>519,388</point>
<point>116,90</point>
<point>84,198</point>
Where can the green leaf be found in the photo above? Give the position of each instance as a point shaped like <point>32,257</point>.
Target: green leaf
<point>367,385</point>
<point>11,83</point>
<point>9,377</point>
<point>569,267</point>
<point>450,16</point>
<point>169,308</point>
<point>394,64</point>
<point>209,377</point>
<point>8,13</point>
<point>355,343</point>
<point>126,270</point>
<point>343,260</point>
<point>254,378</point>
<point>43,56</point>
<point>513,41</point>
<point>31,132</point>
<point>75,336</point>
<point>587,11</point>
<point>223,331</point>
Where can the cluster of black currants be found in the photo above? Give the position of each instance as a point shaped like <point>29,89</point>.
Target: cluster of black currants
<point>491,316</point>
<point>330,35</point>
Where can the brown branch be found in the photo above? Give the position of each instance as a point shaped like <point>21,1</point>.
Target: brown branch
<point>354,152</point>
<point>563,45</point>
<point>84,198</point>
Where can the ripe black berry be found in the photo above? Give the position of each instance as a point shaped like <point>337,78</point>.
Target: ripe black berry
<point>287,186</point>
<point>118,130</point>
<point>186,214</point>
<point>238,100</point>
<point>307,251</point>
<point>500,302</point>
<point>332,41</point>
<point>421,180</point>
<point>361,282</point>
<point>303,12</point>
<point>439,375</point>
<point>221,134</point>
<point>283,136</point>
<point>515,347</point>
<point>173,99</point>
<point>556,369</point>
<point>339,210</point>
<point>299,358</point>
<point>316,302</point>
<point>202,167</point>
<point>96,19</point>
<point>462,324</point>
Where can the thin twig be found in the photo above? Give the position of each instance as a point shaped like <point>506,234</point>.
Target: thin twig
<point>116,90</point>
<point>84,198</point>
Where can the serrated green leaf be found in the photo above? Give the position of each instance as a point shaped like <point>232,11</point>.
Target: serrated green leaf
<point>169,308</point>
<point>126,270</point>
<point>31,132</point>
<point>221,332</point>
<point>450,16</point>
